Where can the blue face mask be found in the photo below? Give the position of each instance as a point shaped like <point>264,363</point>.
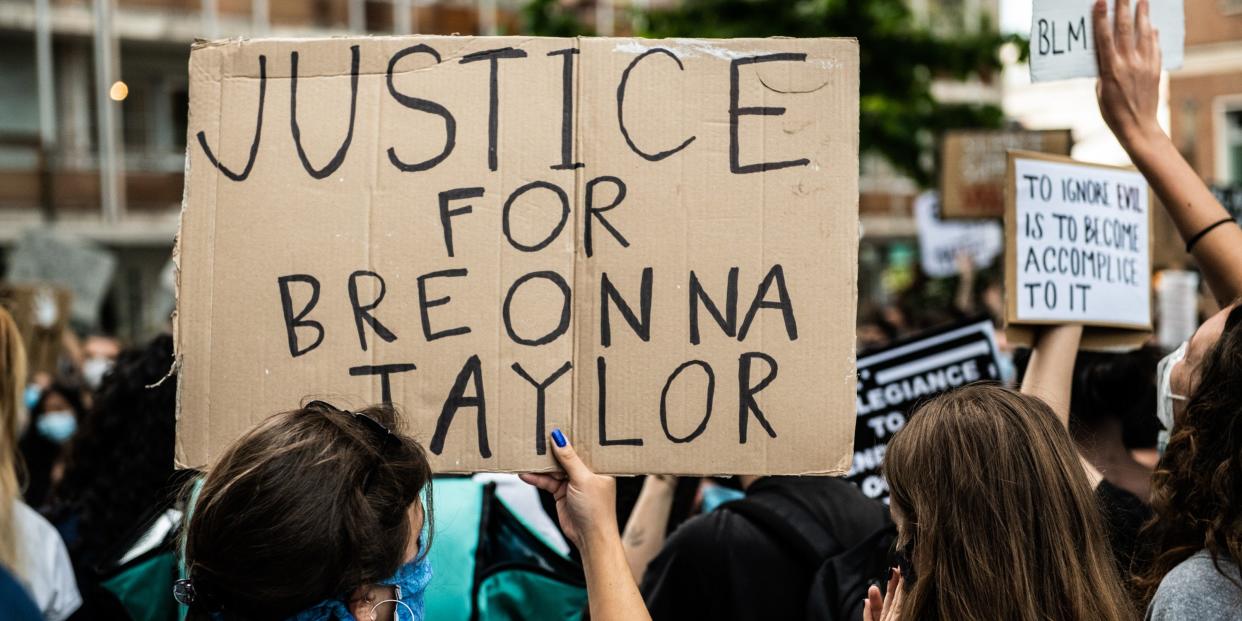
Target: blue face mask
<point>57,426</point>
<point>410,583</point>
<point>33,392</point>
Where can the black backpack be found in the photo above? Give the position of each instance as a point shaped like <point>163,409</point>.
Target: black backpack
<point>838,582</point>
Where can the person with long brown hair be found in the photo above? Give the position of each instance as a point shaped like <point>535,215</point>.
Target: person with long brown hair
<point>1196,534</point>
<point>996,517</point>
<point>30,548</point>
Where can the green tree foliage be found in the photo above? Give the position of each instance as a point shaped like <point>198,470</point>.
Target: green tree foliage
<point>899,118</point>
<point>550,18</point>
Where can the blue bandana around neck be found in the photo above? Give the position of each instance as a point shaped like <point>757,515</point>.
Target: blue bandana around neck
<point>410,582</point>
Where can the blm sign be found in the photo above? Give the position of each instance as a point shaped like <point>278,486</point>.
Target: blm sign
<point>892,383</point>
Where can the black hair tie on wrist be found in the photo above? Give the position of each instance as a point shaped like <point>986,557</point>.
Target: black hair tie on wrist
<point>1198,236</point>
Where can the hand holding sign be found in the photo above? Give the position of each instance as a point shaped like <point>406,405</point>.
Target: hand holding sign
<point>1129,65</point>
<point>1079,245</point>
<point>1065,38</point>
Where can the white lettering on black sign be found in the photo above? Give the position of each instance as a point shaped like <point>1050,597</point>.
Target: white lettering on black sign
<point>894,381</point>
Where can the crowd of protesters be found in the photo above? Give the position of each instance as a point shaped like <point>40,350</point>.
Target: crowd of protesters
<point>1084,486</point>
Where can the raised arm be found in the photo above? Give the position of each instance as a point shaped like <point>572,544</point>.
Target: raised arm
<point>586,504</point>
<point>644,532</point>
<point>1050,375</point>
<point>1128,53</point>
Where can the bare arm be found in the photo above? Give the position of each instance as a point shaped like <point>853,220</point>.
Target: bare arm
<point>1050,375</point>
<point>586,507</point>
<point>964,299</point>
<point>644,532</point>
<point>1129,91</point>
<point>612,593</point>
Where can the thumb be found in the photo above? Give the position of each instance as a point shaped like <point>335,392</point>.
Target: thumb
<point>567,457</point>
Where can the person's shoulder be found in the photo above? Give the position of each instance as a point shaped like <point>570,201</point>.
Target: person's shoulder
<point>1201,568</point>
<point>31,525</point>
<point>1197,589</point>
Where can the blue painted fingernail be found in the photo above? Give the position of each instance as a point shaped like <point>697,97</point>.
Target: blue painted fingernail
<point>559,438</point>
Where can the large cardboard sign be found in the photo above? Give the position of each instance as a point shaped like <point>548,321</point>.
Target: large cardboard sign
<point>648,244</point>
<point>972,167</point>
<point>941,241</point>
<point>1078,246</point>
<point>1063,37</point>
<point>894,381</point>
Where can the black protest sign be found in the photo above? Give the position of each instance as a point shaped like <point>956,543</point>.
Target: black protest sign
<point>894,381</point>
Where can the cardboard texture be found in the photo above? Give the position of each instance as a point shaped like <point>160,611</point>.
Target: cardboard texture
<point>1063,37</point>
<point>41,312</point>
<point>1077,250</point>
<point>652,243</point>
<point>972,167</point>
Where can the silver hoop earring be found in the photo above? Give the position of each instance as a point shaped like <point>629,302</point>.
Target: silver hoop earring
<point>395,616</point>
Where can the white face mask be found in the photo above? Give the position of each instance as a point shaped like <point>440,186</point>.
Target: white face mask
<point>94,369</point>
<point>1165,396</point>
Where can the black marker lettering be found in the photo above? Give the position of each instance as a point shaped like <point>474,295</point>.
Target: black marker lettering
<point>362,312</point>
<point>707,414</point>
<point>384,371</point>
<point>504,220</point>
<point>423,105</point>
<point>258,131</point>
<point>560,328</point>
<point>625,77</point>
<point>567,111</point>
<point>292,321</point>
<point>601,374</point>
<point>541,438</point>
<point>457,399</point>
<point>777,275</point>
<point>446,214</point>
<point>746,404</point>
<point>335,162</point>
<point>493,102</point>
<point>728,321</point>
<point>736,112</point>
<point>593,212</point>
<point>425,305</point>
<point>640,326</point>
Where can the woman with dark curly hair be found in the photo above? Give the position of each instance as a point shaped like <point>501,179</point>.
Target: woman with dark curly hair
<point>120,466</point>
<point>119,471</point>
<point>1197,487</point>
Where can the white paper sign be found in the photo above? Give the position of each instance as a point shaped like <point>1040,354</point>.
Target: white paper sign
<point>1178,294</point>
<point>1083,244</point>
<point>1063,38</point>
<point>940,241</point>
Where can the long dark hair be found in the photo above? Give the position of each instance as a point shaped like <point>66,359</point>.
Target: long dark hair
<point>1197,488</point>
<point>311,504</point>
<point>120,463</point>
<point>987,486</point>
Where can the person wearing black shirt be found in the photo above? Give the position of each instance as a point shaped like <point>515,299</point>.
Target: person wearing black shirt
<point>724,566</point>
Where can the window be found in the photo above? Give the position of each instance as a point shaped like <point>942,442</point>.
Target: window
<point>1227,132</point>
<point>1233,145</point>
